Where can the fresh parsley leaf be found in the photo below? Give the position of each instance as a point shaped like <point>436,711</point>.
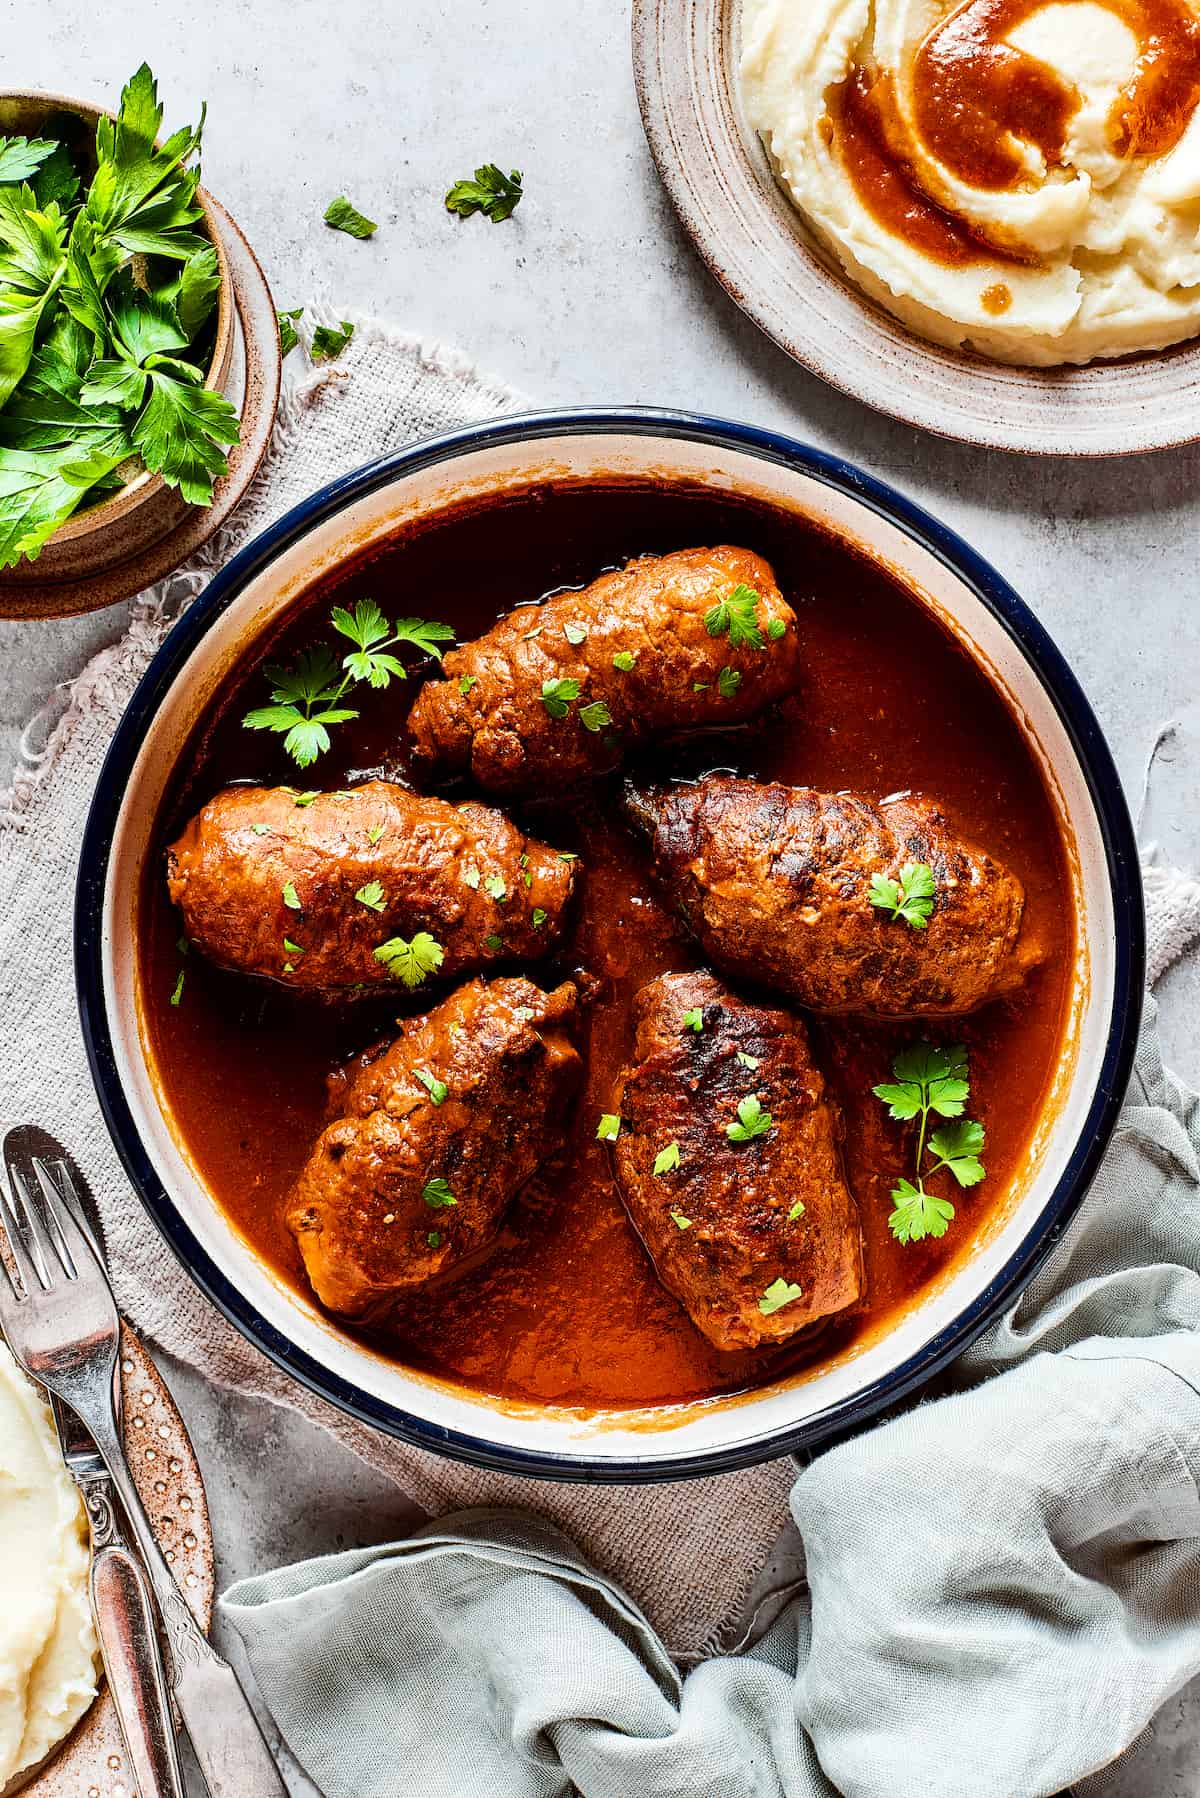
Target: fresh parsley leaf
<point>736,614</point>
<point>957,1147</point>
<point>56,180</point>
<point>290,896</point>
<point>260,830</point>
<point>624,660</point>
<point>609,1127</point>
<point>437,1089</point>
<point>329,341</point>
<point>537,917</point>
<point>796,1211</point>
<point>776,628</point>
<point>728,682</point>
<point>681,1222</point>
<point>494,886</point>
<point>434,1239</point>
<point>289,337</point>
<point>292,948</point>
<point>21,156</point>
<point>927,1078</point>
<point>367,627</point>
<point>119,384</point>
<point>575,634</point>
<point>375,832</point>
<point>424,634</point>
<point>39,490</point>
<point>411,961</point>
<point>910,898</point>
<point>595,717</point>
<point>492,192</point>
<point>471,876</point>
<point>747,1061</point>
<point>494,943</point>
<point>372,896</point>
<point>182,434</point>
<point>304,702</point>
<point>667,1159</point>
<point>918,1213</point>
<point>342,216</point>
<point>557,696</point>
<point>177,994</point>
<point>752,1120</point>
<point>694,1020</point>
<point>778,1294</point>
<point>437,1194</point>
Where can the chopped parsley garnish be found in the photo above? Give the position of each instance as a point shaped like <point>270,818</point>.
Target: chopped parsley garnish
<point>595,717</point>
<point>342,216</point>
<point>526,878</point>
<point>437,1194</point>
<point>434,1239</point>
<point>372,896</point>
<point>303,799</point>
<point>538,917</point>
<point>932,1080</point>
<point>329,341</point>
<point>412,962</point>
<point>307,698</point>
<point>494,943</point>
<point>624,660</point>
<point>778,1294</point>
<point>911,897</point>
<point>701,686</point>
<point>291,897</point>
<point>491,192</point>
<point>183,946</point>
<point>471,876</point>
<point>681,1222</point>
<point>567,855</point>
<point>177,994</point>
<point>466,682</point>
<point>776,628</point>
<point>494,886</point>
<point>796,1211</point>
<point>752,1121</point>
<point>737,615</point>
<point>260,830</point>
<point>575,633</point>
<point>667,1159</point>
<point>557,695</point>
<point>747,1061</point>
<point>289,337</point>
<point>291,948</point>
<point>694,1020</point>
<point>437,1089</point>
<point>728,682</point>
<point>609,1127</point>
<point>375,832</point>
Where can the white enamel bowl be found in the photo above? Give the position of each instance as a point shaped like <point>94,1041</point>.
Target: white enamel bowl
<point>364,509</point>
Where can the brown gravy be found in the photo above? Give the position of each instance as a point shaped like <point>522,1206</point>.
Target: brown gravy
<point>567,1309</point>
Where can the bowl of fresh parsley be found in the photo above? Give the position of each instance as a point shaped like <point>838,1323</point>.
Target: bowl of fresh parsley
<point>116,335</point>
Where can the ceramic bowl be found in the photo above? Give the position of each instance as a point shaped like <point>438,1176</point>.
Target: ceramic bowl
<point>145,509</point>
<point>996,628</point>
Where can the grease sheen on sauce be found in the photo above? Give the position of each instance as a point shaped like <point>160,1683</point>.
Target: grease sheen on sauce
<point>568,1309</point>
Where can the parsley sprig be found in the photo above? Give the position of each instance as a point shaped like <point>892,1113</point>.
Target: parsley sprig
<point>491,192</point>
<point>307,698</point>
<point>911,897</point>
<point>737,616</point>
<point>930,1080</point>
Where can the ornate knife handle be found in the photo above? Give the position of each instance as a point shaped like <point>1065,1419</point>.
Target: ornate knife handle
<point>124,1612</point>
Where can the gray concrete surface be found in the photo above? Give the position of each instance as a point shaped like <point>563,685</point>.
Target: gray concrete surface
<point>591,293</point>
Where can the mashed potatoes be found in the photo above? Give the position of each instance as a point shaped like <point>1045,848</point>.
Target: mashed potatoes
<point>47,1640</point>
<point>1015,179</point>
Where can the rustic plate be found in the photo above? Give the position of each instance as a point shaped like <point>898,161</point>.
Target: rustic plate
<point>253,388</point>
<point>685,55</point>
<point>91,1763</point>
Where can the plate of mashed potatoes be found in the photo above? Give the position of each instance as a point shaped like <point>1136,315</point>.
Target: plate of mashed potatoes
<point>59,1736</point>
<point>981,216</point>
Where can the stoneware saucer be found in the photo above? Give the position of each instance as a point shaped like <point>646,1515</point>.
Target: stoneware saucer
<point>752,238</point>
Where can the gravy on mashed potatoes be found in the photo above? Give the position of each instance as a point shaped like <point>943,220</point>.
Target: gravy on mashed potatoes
<point>1015,178</point>
<point>47,1638</point>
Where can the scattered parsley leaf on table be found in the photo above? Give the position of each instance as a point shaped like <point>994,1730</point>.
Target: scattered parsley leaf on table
<point>911,897</point>
<point>342,216</point>
<point>289,337</point>
<point>328,342</point>
<point>491,192</point>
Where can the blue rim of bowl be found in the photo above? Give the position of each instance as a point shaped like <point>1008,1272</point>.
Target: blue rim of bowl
<point>848,1415</point>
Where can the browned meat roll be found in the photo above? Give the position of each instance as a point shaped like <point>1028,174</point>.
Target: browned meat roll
<point>747,1219</point>
<point>357,890</point>
<point>436,1136</point>
<point>564,690</point>
<point>775,882</point>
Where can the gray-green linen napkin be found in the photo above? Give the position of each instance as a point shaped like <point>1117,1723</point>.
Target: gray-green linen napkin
<point>1003,1583</point>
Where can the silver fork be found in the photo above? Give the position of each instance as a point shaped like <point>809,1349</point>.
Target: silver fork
<point>60,1319</point>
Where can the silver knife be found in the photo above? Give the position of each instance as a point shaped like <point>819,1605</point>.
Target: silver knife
<point>122,1601</point>
<point>125,1622</point>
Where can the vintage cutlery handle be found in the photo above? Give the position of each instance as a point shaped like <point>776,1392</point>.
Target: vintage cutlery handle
<point>124,1612</point>
<point>223,1730</point>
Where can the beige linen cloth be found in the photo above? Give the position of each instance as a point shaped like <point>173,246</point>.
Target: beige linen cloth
<point>688,1553</point>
